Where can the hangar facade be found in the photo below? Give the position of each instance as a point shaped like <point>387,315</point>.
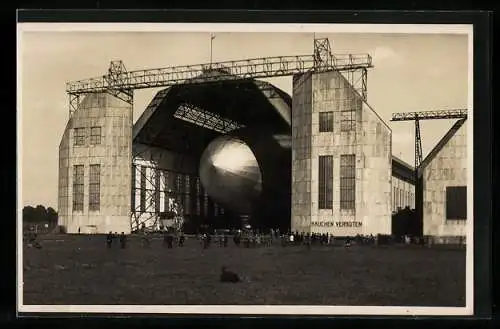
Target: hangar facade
<point>443,187</point>
<point>115,176</point>
<point>324,157</point>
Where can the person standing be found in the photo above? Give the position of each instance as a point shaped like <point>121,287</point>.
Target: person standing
<point>109,239</point>
<point>123,240</point>
<point>181,239</point>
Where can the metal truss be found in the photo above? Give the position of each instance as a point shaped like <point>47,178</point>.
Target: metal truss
<point>418,145</point>
<point>121,83</point>
<point>74,102</point>
<point>430,115</point>
<point>205,119</point>
<point>150,214</point>
<point>323,58</point>
<point>116,77</point>
<point>150,201</point>
<point>358,79</point>
<point>426,115</point>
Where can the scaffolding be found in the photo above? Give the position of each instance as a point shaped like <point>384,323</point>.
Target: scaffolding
<point>121,83</point>
<point>426,115</point>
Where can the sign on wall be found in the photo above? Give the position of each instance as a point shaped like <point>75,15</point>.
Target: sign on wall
<point>336,224</point>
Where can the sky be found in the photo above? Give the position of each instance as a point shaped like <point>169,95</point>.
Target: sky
<point>412,72</point>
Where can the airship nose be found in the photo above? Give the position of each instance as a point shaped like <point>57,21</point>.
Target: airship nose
<point>230,174</point>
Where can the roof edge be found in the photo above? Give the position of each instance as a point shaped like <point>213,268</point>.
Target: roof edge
<point>439,146</point>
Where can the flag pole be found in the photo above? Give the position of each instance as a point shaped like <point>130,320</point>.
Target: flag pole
<point>212,37</point>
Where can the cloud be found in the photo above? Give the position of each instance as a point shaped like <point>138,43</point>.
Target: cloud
<point>385,55</point>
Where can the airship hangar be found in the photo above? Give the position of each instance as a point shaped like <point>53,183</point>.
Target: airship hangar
<point>217,146</point>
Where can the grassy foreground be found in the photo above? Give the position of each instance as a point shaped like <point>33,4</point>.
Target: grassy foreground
<point>80,270</point>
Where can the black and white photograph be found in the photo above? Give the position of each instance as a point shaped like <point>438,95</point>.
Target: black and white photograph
<point>245,168</point>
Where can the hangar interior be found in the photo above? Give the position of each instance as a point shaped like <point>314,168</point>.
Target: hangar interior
<point>222,150</point>
<point>171,136</point>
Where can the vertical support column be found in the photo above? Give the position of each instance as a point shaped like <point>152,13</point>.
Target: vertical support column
<point>301,152</point>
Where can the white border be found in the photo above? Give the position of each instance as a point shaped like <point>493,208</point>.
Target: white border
<point>254,309</point>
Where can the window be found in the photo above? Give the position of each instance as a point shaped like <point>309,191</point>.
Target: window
<point>456,202</point>
<point>348,114</point>
<point>205,204</point>
<point>143,190</point>
<point>166,192</point>
<point>178,183</point>
<point>325,122</point>
<point>79,136</point>
<point>95,187</point>
<point>394,201</point>
<point>95,135</point>
<point>157,180</point>
<point>187,195</point>
<point>348,120</point>
<point>198,196</point>
<point>198,206</point>
<point>132,203</point>
<point>347,181</point>
<point>325,182</point>
<point>78,187</point>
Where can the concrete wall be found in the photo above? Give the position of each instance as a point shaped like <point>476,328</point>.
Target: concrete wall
<point>301,153</point>
<point>448,168</point>
<point>113,154</point>
<point>403,194</point>
<point>375,173</point>
<point>370,141</point>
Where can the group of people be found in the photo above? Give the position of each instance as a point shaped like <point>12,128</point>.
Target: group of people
<point>110,238</point>
<point>30,238</point>
<point>255,238</point>
<point>169,239</point>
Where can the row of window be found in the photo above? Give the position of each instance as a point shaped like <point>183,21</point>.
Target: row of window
<point>94,187</point>
<point>183,188</point>
<point>402,198</point>
<point>347,182</point>
<point>80,136</point>
<point>347,120</point>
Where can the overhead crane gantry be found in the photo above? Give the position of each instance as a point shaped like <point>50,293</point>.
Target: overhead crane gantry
<point>121,83</point>
<point>426,115</point>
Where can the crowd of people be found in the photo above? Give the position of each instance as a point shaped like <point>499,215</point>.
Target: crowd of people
<point>251,239</point>
<point>244,239</point>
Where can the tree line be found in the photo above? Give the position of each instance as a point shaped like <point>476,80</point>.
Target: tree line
<point>39,215</point>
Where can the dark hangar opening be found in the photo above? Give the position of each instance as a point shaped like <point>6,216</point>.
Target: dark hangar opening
<point>186,118</point>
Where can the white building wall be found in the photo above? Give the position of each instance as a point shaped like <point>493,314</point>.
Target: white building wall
<point>448,168</point>
<point>113,154</point>
<point>301,153</point>
<point>370,141</point>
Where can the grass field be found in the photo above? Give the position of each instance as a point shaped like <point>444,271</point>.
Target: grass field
<point>80,270</point>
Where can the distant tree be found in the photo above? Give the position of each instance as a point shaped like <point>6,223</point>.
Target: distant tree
<point>39,215</point>
<point>29,214</point>
<point>51,216</point>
